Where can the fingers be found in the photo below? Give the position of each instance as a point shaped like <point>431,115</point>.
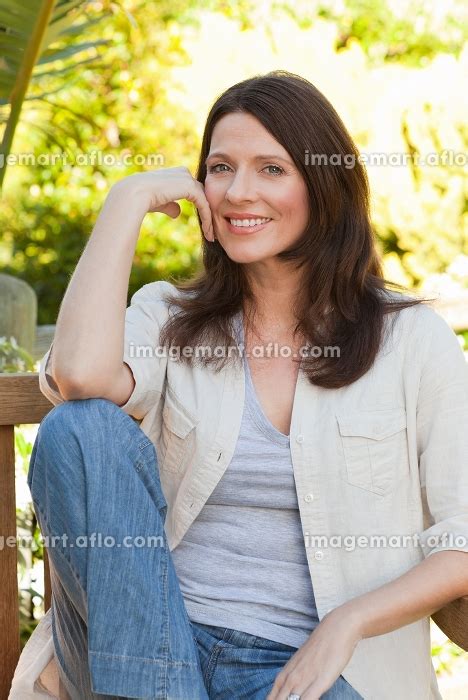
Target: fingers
<point>164,187</point>
<point>204,210</point>
<point>172,209</point>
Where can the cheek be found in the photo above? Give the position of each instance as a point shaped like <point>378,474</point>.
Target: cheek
<point>291,210</point>
<point>292,200</point>
<point>213,191</point>
<point>298,205</point>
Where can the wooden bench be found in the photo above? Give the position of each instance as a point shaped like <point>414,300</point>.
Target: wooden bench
<point>21,401</point>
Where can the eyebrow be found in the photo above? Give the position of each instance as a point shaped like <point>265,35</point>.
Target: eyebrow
<point>220,154</point>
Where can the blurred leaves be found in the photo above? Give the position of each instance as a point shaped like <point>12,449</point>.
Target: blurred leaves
<point>14,358</point>
<point>409,32</point>
<point>42,33</point>
<point>49,211</point>
<point>147,98</point>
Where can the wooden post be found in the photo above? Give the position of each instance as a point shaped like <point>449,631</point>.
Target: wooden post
<point>21,402</point>
<point>9,608</point>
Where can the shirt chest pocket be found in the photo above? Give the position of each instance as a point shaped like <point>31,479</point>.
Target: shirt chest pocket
<point>177,435</point>
<point>375,449</point>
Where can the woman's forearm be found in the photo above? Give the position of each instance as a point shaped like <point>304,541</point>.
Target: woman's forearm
<point>89,334</point>
<point>421,591</point>
<point>88,348</point>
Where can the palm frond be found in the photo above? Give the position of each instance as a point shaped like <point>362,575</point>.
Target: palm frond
<point>33,37</point>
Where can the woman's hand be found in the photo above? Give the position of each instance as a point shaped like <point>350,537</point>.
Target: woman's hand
<point>158,190</point>
<point>318,663</point>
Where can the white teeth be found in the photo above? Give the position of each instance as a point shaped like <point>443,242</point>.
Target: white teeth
<point>248,222</point>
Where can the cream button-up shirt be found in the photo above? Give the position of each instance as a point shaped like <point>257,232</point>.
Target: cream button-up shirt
<point>380,468</point>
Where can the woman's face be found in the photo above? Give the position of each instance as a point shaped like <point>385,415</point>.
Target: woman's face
<point>251,176</point>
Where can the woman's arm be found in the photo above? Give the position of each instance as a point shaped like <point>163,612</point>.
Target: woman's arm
<point>88,343</point>
<point>87,355</point>
<point>427,587</point>
<point>420,592</point>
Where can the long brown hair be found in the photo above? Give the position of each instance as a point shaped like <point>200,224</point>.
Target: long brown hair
<point>344,296</point>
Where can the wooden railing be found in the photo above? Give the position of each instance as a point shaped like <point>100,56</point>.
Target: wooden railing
<point>21,401</point>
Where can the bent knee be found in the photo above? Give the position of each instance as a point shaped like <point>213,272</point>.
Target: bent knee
<point>77,415</point>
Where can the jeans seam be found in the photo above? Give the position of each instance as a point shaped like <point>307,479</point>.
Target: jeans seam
<point>215,652</point>
<point>60,550</point>
<point>144,659</point>
<point>143,459</point>
<point>145,443</point>
<point>165,643</point>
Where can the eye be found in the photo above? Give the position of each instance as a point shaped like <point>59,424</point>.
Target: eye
<point>212,168</point>
<point>281,171</point>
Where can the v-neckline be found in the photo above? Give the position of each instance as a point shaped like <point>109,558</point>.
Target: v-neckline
<point>240,328</point>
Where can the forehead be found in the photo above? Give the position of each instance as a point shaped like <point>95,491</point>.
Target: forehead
<point>238,132</point>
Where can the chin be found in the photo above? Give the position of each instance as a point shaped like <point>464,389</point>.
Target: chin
<point>242,253</point>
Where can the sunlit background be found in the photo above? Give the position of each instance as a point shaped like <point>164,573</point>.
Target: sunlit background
<point>136,82</point>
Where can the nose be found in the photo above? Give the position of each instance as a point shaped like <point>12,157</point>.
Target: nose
<point>241,188</point>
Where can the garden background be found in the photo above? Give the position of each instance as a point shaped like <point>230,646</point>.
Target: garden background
<point>128,87</point>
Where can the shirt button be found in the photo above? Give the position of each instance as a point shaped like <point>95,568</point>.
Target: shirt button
<point>300,438</point>
<point>309,497</point>
<point>318,555</point>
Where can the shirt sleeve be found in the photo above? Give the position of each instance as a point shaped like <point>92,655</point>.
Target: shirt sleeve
<point>442,436</point>
<point>144,319</point>
<point>148,362</point>
<point>51,393</point>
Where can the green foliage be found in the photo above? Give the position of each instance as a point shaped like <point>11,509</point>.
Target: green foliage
<point>404,31</point>
<point>30,545</point>
<point>31,600</point>
<point>45,247</point>
<point>48,212</point>
<point>127,106</point>
<point>32,40</point>
<point>444,655</point>
<point>464,339</point>
<point>14,358</point>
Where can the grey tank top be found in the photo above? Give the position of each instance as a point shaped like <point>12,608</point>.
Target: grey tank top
<point>242,563</point>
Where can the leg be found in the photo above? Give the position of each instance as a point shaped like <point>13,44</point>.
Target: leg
<point>237,664</point>
<point>119,621</point>
<point>242,666</point>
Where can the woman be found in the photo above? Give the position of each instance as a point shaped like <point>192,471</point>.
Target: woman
<point>277,466</point>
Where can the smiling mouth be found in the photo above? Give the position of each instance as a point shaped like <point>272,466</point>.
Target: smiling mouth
<point>239,229</point>
<point>247,223</point>
<point>246,227</point>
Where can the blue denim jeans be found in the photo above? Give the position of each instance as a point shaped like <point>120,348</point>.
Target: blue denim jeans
<point>119,622</point>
